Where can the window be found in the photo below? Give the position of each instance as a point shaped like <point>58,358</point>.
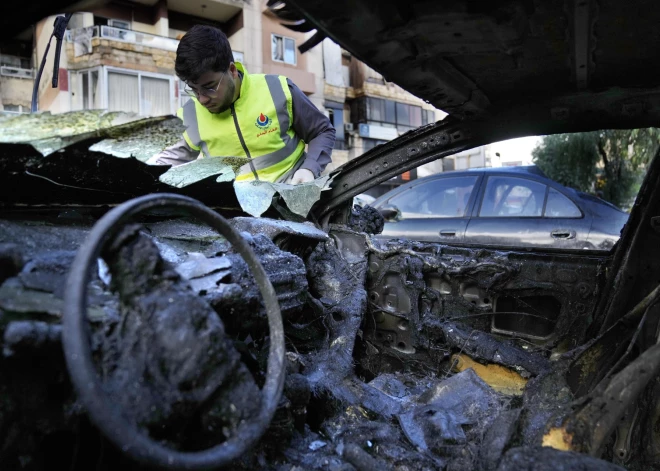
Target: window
<point>127,91</point>
<point>155,96</point>
<point>408,117</point>
<point>15,109</point>
<point>238,56</point>
<point>122,24</point>
<point>558,206</point>
<point>183,96</point>
<point>380,110</point>
<point>428,116</point>
<point>86,91</point>
<point>440,198</point>
<point>284,49</point>
<point>510,196</point>
<point>14,61</point>
<point>387,112</point>
<point>123,92</point>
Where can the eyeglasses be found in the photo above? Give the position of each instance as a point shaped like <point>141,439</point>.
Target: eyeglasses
<point>207,92</point>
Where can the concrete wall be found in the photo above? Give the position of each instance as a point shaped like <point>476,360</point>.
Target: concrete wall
<point>124,55</point>
<point>332,62</point>
<point>298,73</point>
<point>251,45</point>
<point>473,158</point>
<point>161,28</point>
<point>16,91</point>
<point>315,67</point>
<point>81,20</point>
<point>339,158</point>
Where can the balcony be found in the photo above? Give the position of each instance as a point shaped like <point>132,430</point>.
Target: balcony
<point>85,35</point>
<point>17,72</point>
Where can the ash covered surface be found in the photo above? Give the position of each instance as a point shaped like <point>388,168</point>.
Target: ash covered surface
<point>180,336</point>
<point>366,219</point>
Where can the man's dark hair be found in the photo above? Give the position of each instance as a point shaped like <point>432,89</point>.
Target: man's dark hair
<point>203,48</point>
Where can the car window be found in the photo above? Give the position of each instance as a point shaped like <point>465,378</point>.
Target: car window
<point>510,196</point>
<point>558,206</point>
<point>440,198</point>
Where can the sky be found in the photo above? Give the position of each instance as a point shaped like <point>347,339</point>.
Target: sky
<point>513,150</point>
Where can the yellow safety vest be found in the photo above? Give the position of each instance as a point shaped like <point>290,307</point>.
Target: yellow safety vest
<point>258,126</point>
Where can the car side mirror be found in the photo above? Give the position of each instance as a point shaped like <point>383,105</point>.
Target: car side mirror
<point>390,212</point>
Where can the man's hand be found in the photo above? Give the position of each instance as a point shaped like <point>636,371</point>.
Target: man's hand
<point>302,176</point>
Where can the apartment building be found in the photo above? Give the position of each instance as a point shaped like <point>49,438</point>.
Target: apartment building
<point>16,74</point>
<point>120,57</point>
<point>368,111</point>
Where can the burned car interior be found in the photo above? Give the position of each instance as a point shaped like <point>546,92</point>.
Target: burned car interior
<point>150,321</point>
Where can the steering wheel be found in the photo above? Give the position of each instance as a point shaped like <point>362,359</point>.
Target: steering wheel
<point>78,353</point>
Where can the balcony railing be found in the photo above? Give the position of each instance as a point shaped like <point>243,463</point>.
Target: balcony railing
<point>17,72</point>
<point>124,35</point>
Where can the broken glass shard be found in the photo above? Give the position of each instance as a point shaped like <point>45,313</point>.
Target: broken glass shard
<point>197,170</point>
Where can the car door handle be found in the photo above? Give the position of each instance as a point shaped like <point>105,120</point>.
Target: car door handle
<point>448,233</point>
<point>560,234</point>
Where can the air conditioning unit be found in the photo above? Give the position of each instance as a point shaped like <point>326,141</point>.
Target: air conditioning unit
<point>348,127</point>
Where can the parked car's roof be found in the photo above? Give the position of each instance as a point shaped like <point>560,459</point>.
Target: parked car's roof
<point>521,169</point>
<point>524,171</point>
<point>532,171</point>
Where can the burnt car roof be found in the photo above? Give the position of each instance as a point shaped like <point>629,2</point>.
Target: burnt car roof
<point>479,58</point>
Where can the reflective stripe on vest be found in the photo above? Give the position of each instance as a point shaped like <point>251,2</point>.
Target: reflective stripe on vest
<point>273,166</point>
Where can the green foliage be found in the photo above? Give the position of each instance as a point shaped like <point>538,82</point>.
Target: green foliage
<point>610,163</point>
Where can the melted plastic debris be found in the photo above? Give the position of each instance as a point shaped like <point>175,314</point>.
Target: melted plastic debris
<point>145,142</point>
<point>463,399</point>
<point>255,197</point>
<point>49,133</point>
<point>274,227</point>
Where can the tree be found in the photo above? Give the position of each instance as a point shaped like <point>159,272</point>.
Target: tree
<point>610,163</point>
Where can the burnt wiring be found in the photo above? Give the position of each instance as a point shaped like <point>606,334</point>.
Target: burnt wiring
<point>72,186</point>
<point>467,340</point>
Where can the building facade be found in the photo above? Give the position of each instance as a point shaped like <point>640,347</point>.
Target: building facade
<point>120,57</point>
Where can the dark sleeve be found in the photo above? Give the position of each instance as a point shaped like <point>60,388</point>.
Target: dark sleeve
<point>314,128</point>
<point>179,153</point>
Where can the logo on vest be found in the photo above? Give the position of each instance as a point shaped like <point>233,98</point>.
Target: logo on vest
<point>263,121</point>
